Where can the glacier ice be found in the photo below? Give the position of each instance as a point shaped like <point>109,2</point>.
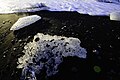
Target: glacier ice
<point>25,21</point>
<point>47,51</point>
<point>91,7</point>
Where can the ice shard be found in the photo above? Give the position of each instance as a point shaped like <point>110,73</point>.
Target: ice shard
<point>25,21</point>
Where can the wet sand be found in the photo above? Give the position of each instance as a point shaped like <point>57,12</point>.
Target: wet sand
<point>98,35</point>
<point>8,46</point>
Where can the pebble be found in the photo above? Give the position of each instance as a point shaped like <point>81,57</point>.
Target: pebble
<point>5,51</point>
<point>63,27</point>
<point>87,31</point>
<point>14,49</point>
<point>1,26</point>
<point>21,45</point>
<point>4,22</point>
<point>99,46</point>
<point>118,37</point>
<point>113,30</point>
<point>111,46</point>
<point>93,27</point>
<point>4,56</point>
<point>29,36</point>
<point>20,40</point>
<point>95,51</point>
<point>13,42</point>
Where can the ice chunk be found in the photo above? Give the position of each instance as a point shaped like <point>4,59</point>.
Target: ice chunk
<point>25,21</point>
<point>115,16</point>
<point>48,51</point>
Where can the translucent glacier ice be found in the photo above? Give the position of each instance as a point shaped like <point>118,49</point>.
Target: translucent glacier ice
<point>47,51</point>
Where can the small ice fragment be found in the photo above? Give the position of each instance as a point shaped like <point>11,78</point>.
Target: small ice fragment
<point>25,21</point>
<point>115,16</point>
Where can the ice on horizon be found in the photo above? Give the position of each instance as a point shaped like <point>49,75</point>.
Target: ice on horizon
<point>91,7</point>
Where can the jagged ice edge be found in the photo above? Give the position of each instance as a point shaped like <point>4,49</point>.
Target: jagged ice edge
<point>47,51</point>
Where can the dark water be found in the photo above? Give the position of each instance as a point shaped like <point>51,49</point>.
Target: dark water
<point>98,35</point>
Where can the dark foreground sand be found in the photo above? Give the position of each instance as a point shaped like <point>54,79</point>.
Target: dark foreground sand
<point>99,35</point>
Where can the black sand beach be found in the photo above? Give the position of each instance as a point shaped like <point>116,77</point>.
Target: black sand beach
<point>98,34</point>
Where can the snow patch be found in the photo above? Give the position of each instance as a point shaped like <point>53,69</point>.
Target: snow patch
<point>47,51</point>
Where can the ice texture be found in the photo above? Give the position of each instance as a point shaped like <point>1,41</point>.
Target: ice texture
<point>47,52</point>
<point>91,7</point>
<point>25,21</point>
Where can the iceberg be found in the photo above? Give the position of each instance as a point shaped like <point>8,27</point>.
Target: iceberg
<point>47,52</point>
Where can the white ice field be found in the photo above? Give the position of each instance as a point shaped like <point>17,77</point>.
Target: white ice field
<point>91,7</point>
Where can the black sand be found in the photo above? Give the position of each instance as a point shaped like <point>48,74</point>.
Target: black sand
<point>99,35</point>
